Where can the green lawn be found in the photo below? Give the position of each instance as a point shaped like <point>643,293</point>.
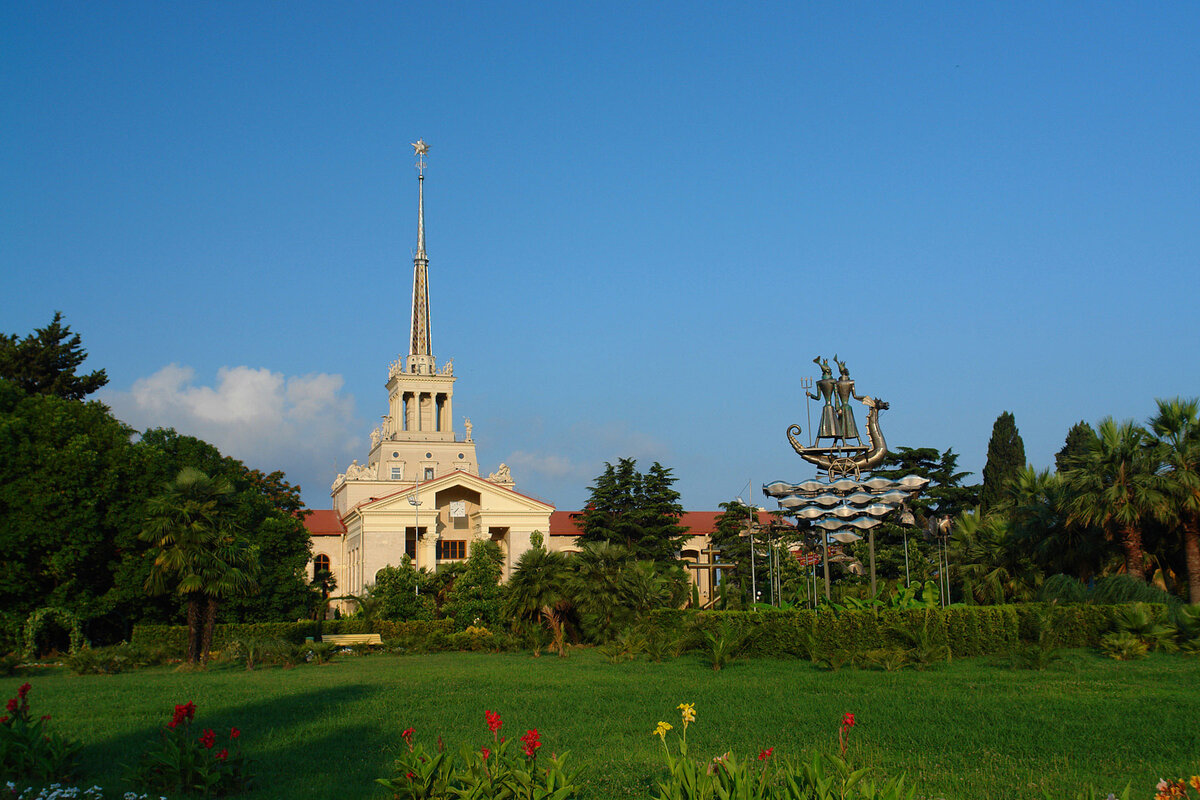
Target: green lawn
<point>971,729</point>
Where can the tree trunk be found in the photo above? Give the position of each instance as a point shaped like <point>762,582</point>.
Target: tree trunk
<point>193,621</point>
<point>210,621</point>
<point>1191,554</point>
<point>1131,538</point>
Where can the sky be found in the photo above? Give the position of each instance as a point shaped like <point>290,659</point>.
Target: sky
<point>643,221</point>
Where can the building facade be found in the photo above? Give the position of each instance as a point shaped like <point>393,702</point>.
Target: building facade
<point>419,492</point>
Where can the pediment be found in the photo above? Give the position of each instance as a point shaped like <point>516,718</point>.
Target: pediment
<point>491,495</point>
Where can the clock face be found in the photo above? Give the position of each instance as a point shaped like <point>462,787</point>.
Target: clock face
<point>458,508</point>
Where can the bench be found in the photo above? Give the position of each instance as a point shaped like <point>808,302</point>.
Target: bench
<point>346,639</point>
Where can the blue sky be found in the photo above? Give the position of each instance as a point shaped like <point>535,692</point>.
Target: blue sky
<point>643,220</point>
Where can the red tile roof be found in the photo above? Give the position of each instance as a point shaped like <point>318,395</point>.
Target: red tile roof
<point>323,522</point>
<point>698,523</point>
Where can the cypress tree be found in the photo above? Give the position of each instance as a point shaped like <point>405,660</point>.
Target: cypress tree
<point>1079,438</point>
<point>1005,457</point>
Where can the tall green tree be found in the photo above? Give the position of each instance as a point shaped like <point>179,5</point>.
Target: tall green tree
<point>475,597</point>
<point>728,537</point>
<point>1115,488</point>
<point>639,512</point>
<point>945,494</point>
<point>45,362</point>
<point>1176,427</point>
<point>196,552</point>
<point>1075,448</point>
<point>1005,456</point>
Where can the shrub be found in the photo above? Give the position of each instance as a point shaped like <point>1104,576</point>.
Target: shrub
<point>9,664</point>
<point>1123,646</point>
<point>28,751</point>
<point>182,763</point>
<point>100,661</point>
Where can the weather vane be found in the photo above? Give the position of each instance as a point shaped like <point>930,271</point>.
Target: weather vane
<point>419,150</point>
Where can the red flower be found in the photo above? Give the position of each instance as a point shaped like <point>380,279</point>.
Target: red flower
<point>222,755</point>
<point>3,720</point>
<point>493,721</point>
<point>848,721</point>
<point>409,775</point>
<point>765,754</point>
<point>532,741</point>
<point>234,733</point>
<point>24,690</point>
<point>12,704</point>
<point>407,736</point>
<point>486,753</point>
<point>208,738</point>
<point>45,718</point>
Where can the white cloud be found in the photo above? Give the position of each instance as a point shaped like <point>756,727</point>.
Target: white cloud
<point>553,466</point>
<point>304,425</point>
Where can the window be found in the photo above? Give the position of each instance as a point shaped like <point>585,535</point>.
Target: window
<point>410,540</point>
<point>397,473</point>
<point>429,473</point>
<point>456,548</point>
<point>321,563</point>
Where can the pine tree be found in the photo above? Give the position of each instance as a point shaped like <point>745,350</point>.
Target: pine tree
<point>44,362</point>
<point>640,512</point>
<point>1005,457</point>
<point>1079,439</point>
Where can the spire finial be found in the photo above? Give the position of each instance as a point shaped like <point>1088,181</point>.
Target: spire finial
<point>419,341</point>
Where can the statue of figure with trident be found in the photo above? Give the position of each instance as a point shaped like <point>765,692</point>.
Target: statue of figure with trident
<point>828,429</point>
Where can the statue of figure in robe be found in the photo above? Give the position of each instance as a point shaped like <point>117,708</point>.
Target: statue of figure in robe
<point>847,428</point>
<point>828,429</point>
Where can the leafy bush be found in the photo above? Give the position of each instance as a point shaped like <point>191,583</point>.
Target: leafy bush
<point>181,763</point>
<point>316,652</point>
<point>1140,620</point>
<point>723,645</point>
<point>28,751</point>
<point>9,664</point>
<point>1123,646</point>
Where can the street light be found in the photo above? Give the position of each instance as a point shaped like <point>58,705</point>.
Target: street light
<point>416,504</point>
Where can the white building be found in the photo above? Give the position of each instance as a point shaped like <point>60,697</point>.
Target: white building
<point>419,491</point>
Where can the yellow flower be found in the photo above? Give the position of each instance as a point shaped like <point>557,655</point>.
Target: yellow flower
<point>661,731</point>
<point>689,712</point>
<point>1195,782</point>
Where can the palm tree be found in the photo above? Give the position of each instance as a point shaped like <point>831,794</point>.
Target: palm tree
<point>1036,506</point>
<point>537,589</point>
<point>322,584</point>
<point>1176,427</point>
<point>992,569</point>
<point>191,539</point>
<point>1114,487</point>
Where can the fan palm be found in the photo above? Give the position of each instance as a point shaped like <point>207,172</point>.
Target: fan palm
<point>192,543</point>
<point>1036,505</point>
<point>991,569</point>
<point>1176,428</point>
<point>537,589</point>
<point>1114,487</point>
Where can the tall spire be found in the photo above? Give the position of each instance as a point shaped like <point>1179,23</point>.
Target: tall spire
<point>419,344</point>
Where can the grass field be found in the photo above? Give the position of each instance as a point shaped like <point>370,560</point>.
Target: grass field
<point>971,729</point>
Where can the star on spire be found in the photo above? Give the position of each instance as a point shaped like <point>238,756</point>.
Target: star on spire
<point>419,147</point>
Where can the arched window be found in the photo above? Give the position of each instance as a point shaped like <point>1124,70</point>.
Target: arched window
<point>321,562</point>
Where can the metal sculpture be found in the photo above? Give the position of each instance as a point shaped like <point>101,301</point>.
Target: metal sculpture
<point>846,460</point>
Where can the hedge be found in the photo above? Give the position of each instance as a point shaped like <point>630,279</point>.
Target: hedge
<point>431,634</point>
<point>968,630</point>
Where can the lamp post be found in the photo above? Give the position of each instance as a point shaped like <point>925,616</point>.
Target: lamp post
<point>906,521</point>
<point>416,504</point>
